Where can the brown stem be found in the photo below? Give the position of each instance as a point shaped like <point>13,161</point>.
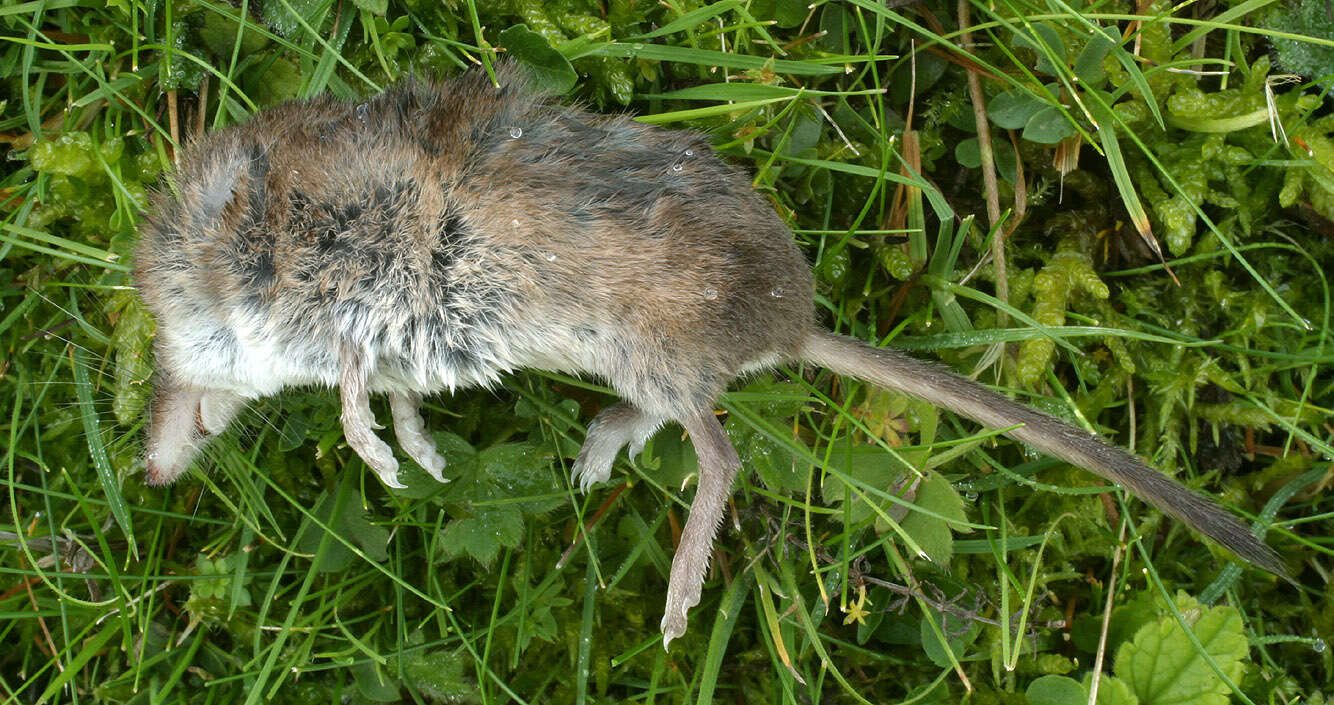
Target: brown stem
<point>988,168</point>
<point>173,120</point>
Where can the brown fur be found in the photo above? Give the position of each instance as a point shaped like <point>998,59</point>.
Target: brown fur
<point>440,235</point>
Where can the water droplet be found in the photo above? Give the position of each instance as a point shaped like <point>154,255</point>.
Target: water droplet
<point>551,256</point>
<point>777,292</point>
<point>637,47</point>
<point>690,152</point>
<point>970,496</point>
<point>361,112</point>
<point>515,222</point>
<point>516,133</point>
<point>151,456</point>
<point>710,293</point>
<point>1319,646</point>
<point>296,172</point>
<point>677,167</point>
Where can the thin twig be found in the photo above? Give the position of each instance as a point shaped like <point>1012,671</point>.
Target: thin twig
<point>201,108</point>
<point>1106,617</point>
<point>173,119</point>
<point>989,187</point>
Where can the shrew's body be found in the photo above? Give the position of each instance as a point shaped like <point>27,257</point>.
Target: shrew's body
<point>440,235</point>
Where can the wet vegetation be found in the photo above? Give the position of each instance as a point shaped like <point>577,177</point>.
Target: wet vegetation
<point>1121,213</point>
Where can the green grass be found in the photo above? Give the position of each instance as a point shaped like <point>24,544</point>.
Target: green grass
<point>1169,292</point>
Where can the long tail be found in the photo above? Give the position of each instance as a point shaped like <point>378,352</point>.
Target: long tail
<point>894,370</point>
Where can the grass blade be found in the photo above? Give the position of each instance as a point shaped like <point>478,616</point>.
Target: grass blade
<point>83,388</point>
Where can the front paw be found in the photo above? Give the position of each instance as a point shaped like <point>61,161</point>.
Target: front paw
<point>588,471</point>
<point>381,459</point>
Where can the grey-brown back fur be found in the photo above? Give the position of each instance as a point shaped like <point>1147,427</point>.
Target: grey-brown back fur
<point>439,235</point>
<point>420,223</point>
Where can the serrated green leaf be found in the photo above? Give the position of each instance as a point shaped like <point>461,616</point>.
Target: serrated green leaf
<point>1162,667</point>
<point>1127,619</point>
<point>519,472</point>
<point>460,468</point>
<point>490,494</point>
<point>439,675</point>
<point>483,534</point>
<point>1111,690</point>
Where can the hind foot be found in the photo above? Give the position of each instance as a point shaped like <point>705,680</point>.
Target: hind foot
<point>616,426</point>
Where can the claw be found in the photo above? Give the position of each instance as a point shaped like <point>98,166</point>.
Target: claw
<point>673,626</point>
<point>437,475</point>
<point>580,478</point>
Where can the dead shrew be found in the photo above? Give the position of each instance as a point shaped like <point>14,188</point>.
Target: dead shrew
<point>443,234</point>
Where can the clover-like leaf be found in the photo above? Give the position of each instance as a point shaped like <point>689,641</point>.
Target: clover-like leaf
<point>931,533</point>
<point>1088,67</point>
<point>1056,690</point>
<point>1013,109</point>
<point>1048,126</point>
<point>1046,40</point>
